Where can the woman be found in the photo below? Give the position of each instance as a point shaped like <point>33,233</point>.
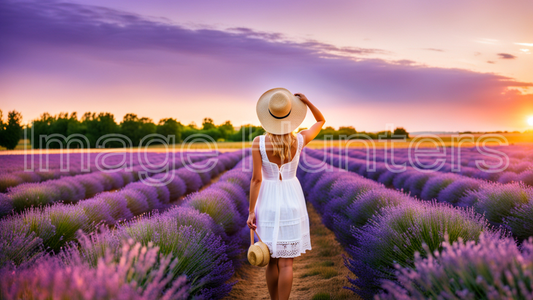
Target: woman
<point>280,217</point>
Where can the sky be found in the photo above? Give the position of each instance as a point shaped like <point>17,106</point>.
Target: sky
<point>452,65</point>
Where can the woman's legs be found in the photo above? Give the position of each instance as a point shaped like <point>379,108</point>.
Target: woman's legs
<point>272,278</point>
<point>285,277</point>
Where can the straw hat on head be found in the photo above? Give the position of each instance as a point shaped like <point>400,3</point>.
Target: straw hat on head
<point>279,111</point>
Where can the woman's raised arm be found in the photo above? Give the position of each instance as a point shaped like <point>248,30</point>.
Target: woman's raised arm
<point>313,131</point>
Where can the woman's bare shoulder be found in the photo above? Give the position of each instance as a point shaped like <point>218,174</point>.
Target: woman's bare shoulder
<point>255,142</point>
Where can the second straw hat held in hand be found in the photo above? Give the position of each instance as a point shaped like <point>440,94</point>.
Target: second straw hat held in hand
<point>258,253</point>
<point>279,111</point>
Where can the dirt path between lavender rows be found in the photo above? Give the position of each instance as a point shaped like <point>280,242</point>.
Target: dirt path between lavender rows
<point>317,274</point>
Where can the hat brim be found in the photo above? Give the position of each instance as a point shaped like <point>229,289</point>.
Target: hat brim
<point>285,125</point>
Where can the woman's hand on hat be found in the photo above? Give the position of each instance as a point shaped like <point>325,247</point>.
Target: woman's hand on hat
<point>302,97</point>
<point>251,221</point>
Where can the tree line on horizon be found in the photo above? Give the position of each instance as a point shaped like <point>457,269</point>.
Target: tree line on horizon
<point>10,131</point>
<point>93,126</point>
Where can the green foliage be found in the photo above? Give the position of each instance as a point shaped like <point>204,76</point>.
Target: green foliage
<point>136,129</point>
<point>11,131</point>
<point>91,126</point>
<point>321,296</point>
<point>95,126</point>
<point>226,130</point>
<point>170,126</point>
<point>247,133</point>
<point>208,124</point>
<point>348,132</point>
<point>401,131</point>
<point>57,131</point>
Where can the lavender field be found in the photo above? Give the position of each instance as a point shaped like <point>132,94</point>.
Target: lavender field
<point>455,231</point>
<point>427,234</point>
<point>114,235</point>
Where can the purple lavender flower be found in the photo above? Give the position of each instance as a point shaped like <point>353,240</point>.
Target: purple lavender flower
<point>27,194</point>
<point>237,177</point>
<point>371,202</point>
<point>319,194</point>
<point>202,255</point>
<point>375,175</point>
<point>6,205</point>
<point>237,195</point>
<point>112,180</point>
<point>127,177</point>
<point>398,232</point>
<point>519,220</point>
<point>332,210</point>
<point>71,190</point>
<point>497,200</point>
<point>458,189</point>
<point>399,180</point>
<point>18,244</point>
<point>192,179</point>
<point>205,176</point>
<point>67,220</point>
<point>492,268</point>
<point>8,180</point>
<point>526,177</point>
<point>415,183</point>
<point>92,185</point>
<point>137,201</point>
<point>176,186</point>
<point>93,246</point>
<point>140,274</point>
<point>219,206</point>
<point>310,180</point>
<point>151,193</point>
<point>28,176</point>
<point>97,211</point>
<point>163,195</point>
<point>387,178</point>
<point>187,215</point>
<point>436,184</point>
<point>507,177</point>
<point>37,220</point>
<point>117,203</point>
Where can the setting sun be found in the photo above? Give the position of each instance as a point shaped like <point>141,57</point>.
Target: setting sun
<point>530,121</point>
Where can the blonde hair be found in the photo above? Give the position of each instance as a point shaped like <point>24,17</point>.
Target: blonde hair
<point>281,144</point>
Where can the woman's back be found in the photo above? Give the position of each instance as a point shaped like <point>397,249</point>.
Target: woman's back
<point>269,148</point>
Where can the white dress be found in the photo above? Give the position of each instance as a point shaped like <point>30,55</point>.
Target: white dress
<point>281,214</point>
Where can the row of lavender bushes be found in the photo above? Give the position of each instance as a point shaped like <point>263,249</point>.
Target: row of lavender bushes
<point>519,169</point>
<point>49,166</point>
<point>190,252</point>
<point>71,189</point>
<point>27,236</point>
<point>508,205</point>
<point>385,231</point>
<point>518,156</point>
<point>491,268</point>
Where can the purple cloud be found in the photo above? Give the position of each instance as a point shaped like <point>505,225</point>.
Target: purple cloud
<point>62,24</point>
<point>506,56</point>
<point>211,60</point>
<point>433,49</point>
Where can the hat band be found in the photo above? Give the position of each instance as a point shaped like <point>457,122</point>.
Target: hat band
<point>280,117</point>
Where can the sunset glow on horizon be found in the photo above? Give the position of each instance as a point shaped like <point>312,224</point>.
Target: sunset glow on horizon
<point>425,66</point>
